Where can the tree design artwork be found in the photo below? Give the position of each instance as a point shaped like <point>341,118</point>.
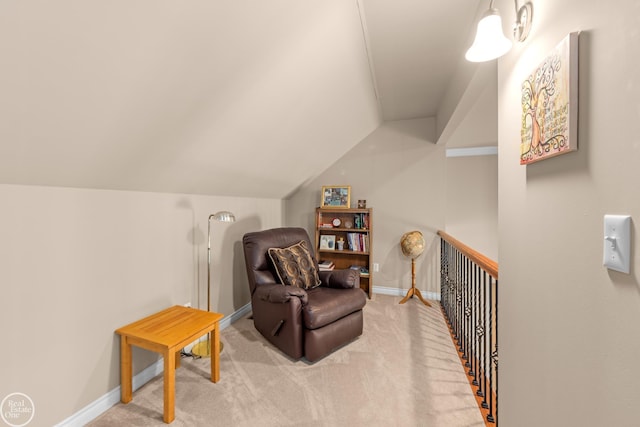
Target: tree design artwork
<point>545,110</point>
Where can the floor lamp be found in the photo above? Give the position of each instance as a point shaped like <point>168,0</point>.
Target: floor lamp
<point>203,349</point>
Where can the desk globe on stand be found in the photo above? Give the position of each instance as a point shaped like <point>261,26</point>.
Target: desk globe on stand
<point>412,244</point>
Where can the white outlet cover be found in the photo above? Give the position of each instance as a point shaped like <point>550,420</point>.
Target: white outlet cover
<point>617,242</point>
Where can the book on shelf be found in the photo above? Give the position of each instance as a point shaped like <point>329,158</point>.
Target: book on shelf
<point>361,221</point>
<point>326,265</point>
<point>358,242</point>
<point>352,240</point>
<point>364,271</point>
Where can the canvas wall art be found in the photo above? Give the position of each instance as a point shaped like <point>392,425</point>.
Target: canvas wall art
<point>550,105</point>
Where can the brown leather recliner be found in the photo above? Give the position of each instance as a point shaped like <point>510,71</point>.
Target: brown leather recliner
<point>310,323</point>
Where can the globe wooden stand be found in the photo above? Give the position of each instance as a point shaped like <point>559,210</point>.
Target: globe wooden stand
<point>414,291</point>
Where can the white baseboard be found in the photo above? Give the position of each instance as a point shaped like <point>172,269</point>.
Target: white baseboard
<point>397,292</point>
<point>100,405</point>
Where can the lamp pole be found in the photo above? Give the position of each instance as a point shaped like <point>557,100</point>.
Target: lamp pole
<point>203,349</point>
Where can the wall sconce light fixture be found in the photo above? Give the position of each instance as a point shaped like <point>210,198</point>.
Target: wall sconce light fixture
<point>490,42</point>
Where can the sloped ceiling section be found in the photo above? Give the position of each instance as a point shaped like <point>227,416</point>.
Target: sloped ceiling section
<point>416,46</point>
<point>242,98</point>
<point>474,122</point>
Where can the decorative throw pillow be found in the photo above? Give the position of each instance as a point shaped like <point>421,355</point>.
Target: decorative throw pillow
<point>295,266</point>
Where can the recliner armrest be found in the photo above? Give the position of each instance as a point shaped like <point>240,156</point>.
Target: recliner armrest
<point>342,279</point>
<point>278,293</point>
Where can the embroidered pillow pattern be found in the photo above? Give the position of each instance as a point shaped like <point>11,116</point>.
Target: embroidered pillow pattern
<point>295,266</point>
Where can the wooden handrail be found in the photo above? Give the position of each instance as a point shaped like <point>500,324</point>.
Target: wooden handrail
<point>485,263</point>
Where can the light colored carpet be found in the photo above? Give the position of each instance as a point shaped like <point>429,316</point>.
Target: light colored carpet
<point>403,371</point>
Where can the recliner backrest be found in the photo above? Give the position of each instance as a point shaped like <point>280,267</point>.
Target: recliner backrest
<point>256,244</point>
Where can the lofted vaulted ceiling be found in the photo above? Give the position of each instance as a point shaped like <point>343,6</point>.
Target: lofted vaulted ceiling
<point>243,98</point>
<point>416,46</point>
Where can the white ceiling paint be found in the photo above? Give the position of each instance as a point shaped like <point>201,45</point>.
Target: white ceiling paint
<point>243,98</point>
<point>415,47</point>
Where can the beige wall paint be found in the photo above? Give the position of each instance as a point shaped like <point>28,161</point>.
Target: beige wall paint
<point>569,328</point>
<point>400,172</point>
<point>472,180</point>
<point>472,202</point>
<point>76,264</point>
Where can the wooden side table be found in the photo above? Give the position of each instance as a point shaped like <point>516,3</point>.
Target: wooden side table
<point>167,332</point>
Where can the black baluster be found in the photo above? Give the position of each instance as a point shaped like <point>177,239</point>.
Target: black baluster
<point>448,283</point>
<point>465,319</point>
<point>450,286</point>
<point>460,301</point>
<point>442,269</point>
<point>493,354</point>
<point>442,286</point>
<point>469,313</point>
<point>485,348</point>
<point>481,340</point>
<point>454,302</point>
<point>474,323</point>
<point>496,351</point>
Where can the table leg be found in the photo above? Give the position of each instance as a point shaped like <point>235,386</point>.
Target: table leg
<point>169,386</point>
<point>215,353</point>
<point>125,370</point>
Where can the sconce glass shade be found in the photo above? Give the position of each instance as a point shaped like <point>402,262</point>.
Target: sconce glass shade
<point>490,42</point>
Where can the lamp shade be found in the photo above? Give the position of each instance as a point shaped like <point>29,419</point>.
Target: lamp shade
<point>490,42</point>
<point>224,216</point>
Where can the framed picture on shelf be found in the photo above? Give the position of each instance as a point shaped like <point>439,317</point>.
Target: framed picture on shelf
<point>336,196</point>
<point>327,241</point>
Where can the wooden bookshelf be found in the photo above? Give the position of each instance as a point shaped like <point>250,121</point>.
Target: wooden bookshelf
<point>354,227</point>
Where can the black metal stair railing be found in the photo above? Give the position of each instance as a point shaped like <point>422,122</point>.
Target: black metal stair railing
<point>469,300</point>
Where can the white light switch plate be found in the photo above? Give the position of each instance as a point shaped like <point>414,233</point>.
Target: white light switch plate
<point>617,242</point>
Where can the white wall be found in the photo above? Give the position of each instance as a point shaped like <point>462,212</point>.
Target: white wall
<point>570,329</point>
<point>76,264</point>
